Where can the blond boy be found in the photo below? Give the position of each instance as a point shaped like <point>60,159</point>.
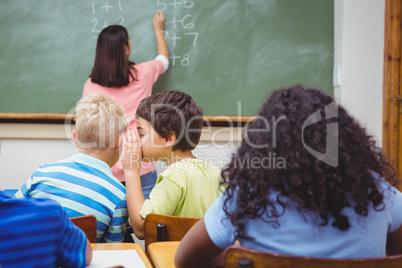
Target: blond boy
<point>84,184</point>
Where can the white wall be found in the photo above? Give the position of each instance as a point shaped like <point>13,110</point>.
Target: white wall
<point>20,155</point>
<point>19,158</point>
<point>359,51</point>
<point>359,46</point>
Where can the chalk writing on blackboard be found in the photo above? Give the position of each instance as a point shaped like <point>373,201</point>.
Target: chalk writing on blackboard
<point>178,25</point>
<point>97,8</point>
<point>162,4</point>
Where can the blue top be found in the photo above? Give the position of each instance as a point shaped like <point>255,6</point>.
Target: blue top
<point>38,233</point>
<point>10,192</point>
<point>83,185</point>
<point>302,236</point>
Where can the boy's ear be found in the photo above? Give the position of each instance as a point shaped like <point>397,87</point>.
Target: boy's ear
<point>171,140</point>
<point>74,134</point>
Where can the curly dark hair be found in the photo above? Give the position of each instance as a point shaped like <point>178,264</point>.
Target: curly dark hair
<point>313,184</point>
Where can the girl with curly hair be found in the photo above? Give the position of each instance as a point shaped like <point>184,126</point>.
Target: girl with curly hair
<point>307,180</point>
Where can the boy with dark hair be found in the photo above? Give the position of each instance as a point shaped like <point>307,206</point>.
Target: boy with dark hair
<point>169,126</point>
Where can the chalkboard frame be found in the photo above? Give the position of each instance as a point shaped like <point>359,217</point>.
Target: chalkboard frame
<point>52,118</point>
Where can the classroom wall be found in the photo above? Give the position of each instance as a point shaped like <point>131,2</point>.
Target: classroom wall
<point>359,51</point>
<point>359,46</point>
<point>24,147</point>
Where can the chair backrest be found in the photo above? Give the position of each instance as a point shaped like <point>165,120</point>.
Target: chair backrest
<point>170,228</point>
<point>264,259</point>
<point>87,223</point>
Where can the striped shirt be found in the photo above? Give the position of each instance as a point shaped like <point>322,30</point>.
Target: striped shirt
<point>83,185</point>
<point>38,233</point>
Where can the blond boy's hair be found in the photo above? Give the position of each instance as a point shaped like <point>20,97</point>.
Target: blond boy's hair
<point>98,121</point>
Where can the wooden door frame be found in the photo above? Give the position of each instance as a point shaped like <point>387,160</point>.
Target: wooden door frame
<point>392,134</point>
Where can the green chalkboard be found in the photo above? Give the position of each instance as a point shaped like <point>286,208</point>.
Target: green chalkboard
<point>228,54</point>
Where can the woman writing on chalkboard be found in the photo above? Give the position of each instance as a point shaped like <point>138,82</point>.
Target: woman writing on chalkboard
<point>113,74</point>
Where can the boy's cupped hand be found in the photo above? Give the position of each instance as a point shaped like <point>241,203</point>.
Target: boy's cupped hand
<point>132,152</point>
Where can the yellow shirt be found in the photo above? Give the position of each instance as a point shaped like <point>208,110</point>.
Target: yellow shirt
<point>186,188</point>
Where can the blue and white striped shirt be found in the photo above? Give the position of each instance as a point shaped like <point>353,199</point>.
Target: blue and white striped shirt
<point>38,233</point>
<point>83,185</point>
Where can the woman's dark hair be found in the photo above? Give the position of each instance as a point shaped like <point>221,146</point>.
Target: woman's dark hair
<point>174,112</point>
<point>112,67</point>
<point>288,123</point>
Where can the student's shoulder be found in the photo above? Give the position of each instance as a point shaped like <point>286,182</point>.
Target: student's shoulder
<point>56,164</point>
<point>206,167</point>
<point>170,172</point>
<point>189,166</point>
<point>175,172</point>
<point>44,205</point>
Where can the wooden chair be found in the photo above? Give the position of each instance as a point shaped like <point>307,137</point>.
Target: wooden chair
<point>87,223</point>
<point>237,256</point>
<point>166,228</point>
